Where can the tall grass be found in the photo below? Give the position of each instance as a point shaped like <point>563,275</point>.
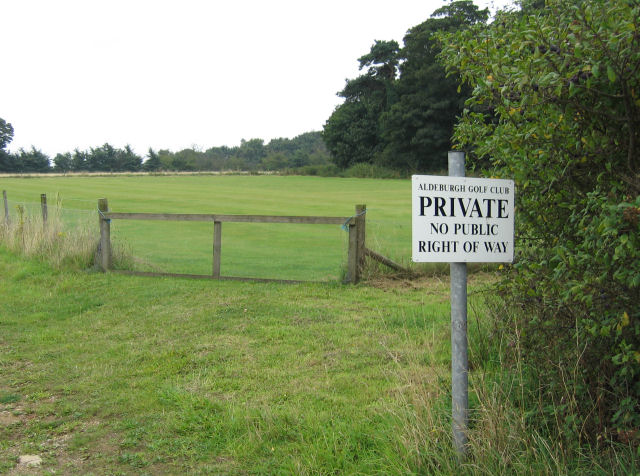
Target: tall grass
<point>503,437</point>
<point>62,243</point>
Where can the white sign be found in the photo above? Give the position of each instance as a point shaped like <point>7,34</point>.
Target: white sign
<point>462,220</point>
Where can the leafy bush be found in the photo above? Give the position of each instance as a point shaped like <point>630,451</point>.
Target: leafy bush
<point>579,321</point>
<point>556,106</point>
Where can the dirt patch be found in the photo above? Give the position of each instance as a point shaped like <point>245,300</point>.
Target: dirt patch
<point>8,418</point>
<point>401,282</point>
<point>431,284</point>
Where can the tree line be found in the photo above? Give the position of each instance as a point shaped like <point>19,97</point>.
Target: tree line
<point>304,153</point>
<point>398,115</point>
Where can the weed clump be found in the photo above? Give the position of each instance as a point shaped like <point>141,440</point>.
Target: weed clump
<point>504,435</point>
<point>59,242</point>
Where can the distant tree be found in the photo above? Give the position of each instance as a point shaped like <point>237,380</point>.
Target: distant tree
<point>63,162</point>
<point>152,163</point>
<point>166,159</point>
<point>127,160</point>
<point>237,163</point>
<point>6,136</point>
<point>221,153</point>
<point>307,148</point>
<point>276,161</point>
<point>252,151</point>
<point>9,162</point>
<point>184,160</point>
<point>6,133</point>
<point>281,145</point>
<point>79,161</point>
<point>298,151</point>
<point>33,160</point>
<point>318,158</point>
<point>107,158</point>
<point>216,158</point>
<point>102,159</point>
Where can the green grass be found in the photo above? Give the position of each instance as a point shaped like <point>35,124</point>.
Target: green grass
<point>126,375</point>
<point>111,374</point>
<point>307,252</point>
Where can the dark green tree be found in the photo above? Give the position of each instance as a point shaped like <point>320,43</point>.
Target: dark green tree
<point>277,161</point>
<point>185,160</point>
<point>63,162</point>
<point>152,164</point>
<point>127,160</point>
<point>352,132</point>
<point>102,159</point>
<point>166,159</point>
<point>300,151</point>
<point>79,161</point>
<point>252,151</point>
<point>33,160</point>
<point>7,162</point>
<point>6,133</point>
<point>417,129</point>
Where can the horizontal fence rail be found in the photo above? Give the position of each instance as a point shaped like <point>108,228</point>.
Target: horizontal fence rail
<point>355,225</point>
<point>309,220</point>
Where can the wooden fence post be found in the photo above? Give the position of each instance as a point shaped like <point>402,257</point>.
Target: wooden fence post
<point>217,247</point>
<point>6,207</point>
<point>356,253</point>
<point>105,235</point>
<point>352,255</point>
<point>361,221</point>
<point>45,212</point>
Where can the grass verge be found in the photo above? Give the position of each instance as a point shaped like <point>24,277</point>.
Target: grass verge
<point>124,375</point>
<point>110,374</point>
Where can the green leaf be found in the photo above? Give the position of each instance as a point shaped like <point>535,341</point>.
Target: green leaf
<point>611,74</point>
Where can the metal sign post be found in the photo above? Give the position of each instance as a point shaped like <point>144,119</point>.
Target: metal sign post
<point>461,220</point>
<point>459,350</point>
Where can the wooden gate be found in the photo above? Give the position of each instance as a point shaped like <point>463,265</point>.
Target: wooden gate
<point>356,226</point>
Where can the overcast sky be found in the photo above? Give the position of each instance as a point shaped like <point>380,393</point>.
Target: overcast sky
<point>183,73</point>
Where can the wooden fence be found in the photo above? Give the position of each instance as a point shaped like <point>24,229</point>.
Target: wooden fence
<point>356,225</point>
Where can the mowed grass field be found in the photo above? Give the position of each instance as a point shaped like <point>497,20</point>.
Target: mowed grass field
<point>306,252</point>
<point>112,374</point>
